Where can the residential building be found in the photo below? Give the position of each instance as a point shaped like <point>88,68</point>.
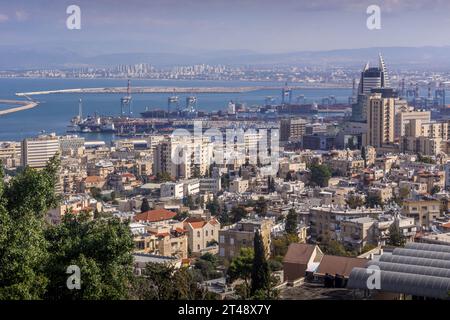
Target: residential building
<point>241,235</point>
<point>424,211</point>
<point>202,233</point>
<point>36,152</point>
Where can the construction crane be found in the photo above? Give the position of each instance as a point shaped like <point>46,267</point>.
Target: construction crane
<point>125,102</point>
<point>439,95</point>
<point>286,92</point>
<point>172,101</point>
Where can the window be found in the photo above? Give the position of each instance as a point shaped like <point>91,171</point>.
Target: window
<point>232,241</point>
<point>222,252</point>
<point>198,247</point>
<point>212,232</point>
<point>198,234</point>
<point>222,239</point>
<point>206,233</point>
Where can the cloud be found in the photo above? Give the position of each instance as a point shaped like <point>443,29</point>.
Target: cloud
<point>21,15</point>
<point>3,17</point>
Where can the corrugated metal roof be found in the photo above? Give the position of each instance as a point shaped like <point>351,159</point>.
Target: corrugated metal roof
<point>415,261</point>
<point>427,247</point>
<point>409,268</point>
<point>421,254</point>
<point>407,283</point>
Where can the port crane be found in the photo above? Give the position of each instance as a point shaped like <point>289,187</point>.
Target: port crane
<point>125,102</point>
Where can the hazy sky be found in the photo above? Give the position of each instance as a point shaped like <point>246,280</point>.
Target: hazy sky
<point>257,25</point>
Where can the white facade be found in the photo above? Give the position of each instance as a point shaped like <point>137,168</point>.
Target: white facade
<point>36,152</point>
<point>172,190</point>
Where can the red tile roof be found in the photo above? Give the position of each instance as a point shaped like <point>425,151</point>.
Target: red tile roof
<point>93,179</point>
<point>446,225</point>
<point>155,215</point>
<point>180,230</point>
<point>299,253</point>
<point>198,224</point>
<point>339,265</point>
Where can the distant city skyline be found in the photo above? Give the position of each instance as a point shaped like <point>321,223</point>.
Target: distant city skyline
<point>217,25</point>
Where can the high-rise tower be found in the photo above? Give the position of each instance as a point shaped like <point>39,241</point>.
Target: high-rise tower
<point>371,78</point>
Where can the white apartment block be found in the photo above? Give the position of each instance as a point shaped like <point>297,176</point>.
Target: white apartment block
<point>36,152</point>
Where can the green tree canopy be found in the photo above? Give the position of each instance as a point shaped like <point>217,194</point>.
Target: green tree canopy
<point>145,206</point>
<point>102,248</point>
<point>260,267</point>
<point>396,237</point>
<point>320,174</point>
<point>291,222</point>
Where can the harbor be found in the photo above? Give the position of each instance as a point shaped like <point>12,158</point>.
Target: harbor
<point>23,105</point>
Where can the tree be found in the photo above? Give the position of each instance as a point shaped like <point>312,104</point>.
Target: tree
<point>334,248</point>
<point>189,202</point>
<point>364,155</point>
<point>24,201</point>
<point>396,237</point>
<point>354,201</point>
<point>96,193</point>
<point>291,222</point>
<point>207,265</point>
<point>238,213</point>
<point>213,206</point>
<point>260,267</point>
<point>289,176</point>
<point>34,255</point>
<point>224,217</point>
<point>102,249</point>
<point>368,247</point>
<point>163,176</point>
<point>373,201</point>
<point>320,174</point>
<point>271,184</point>
<point>423,159</point>
<point>196,172</point>
<point>435,189</point>
<point>241,268</point>
<point>281,244</point>
<point>261,207</point>
<point>145,206</point>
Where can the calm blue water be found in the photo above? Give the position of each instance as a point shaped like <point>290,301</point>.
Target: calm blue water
<point>55,111</point>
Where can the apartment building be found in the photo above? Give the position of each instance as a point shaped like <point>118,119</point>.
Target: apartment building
<point>428,138</point>
<point>210,185</point>
<point>404,117</point>
<point>241,235</point>
<point>183,157</point>
<point>380,119</point>
<point>358,232</point>
<point>325,221</point>
<point>424,211</point>
<point>36,152</point>
<point>292,130</point>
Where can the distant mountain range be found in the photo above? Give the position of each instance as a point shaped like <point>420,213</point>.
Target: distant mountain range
<point>396,57</point>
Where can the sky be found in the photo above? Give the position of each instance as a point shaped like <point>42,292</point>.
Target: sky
<point>263,26</point>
